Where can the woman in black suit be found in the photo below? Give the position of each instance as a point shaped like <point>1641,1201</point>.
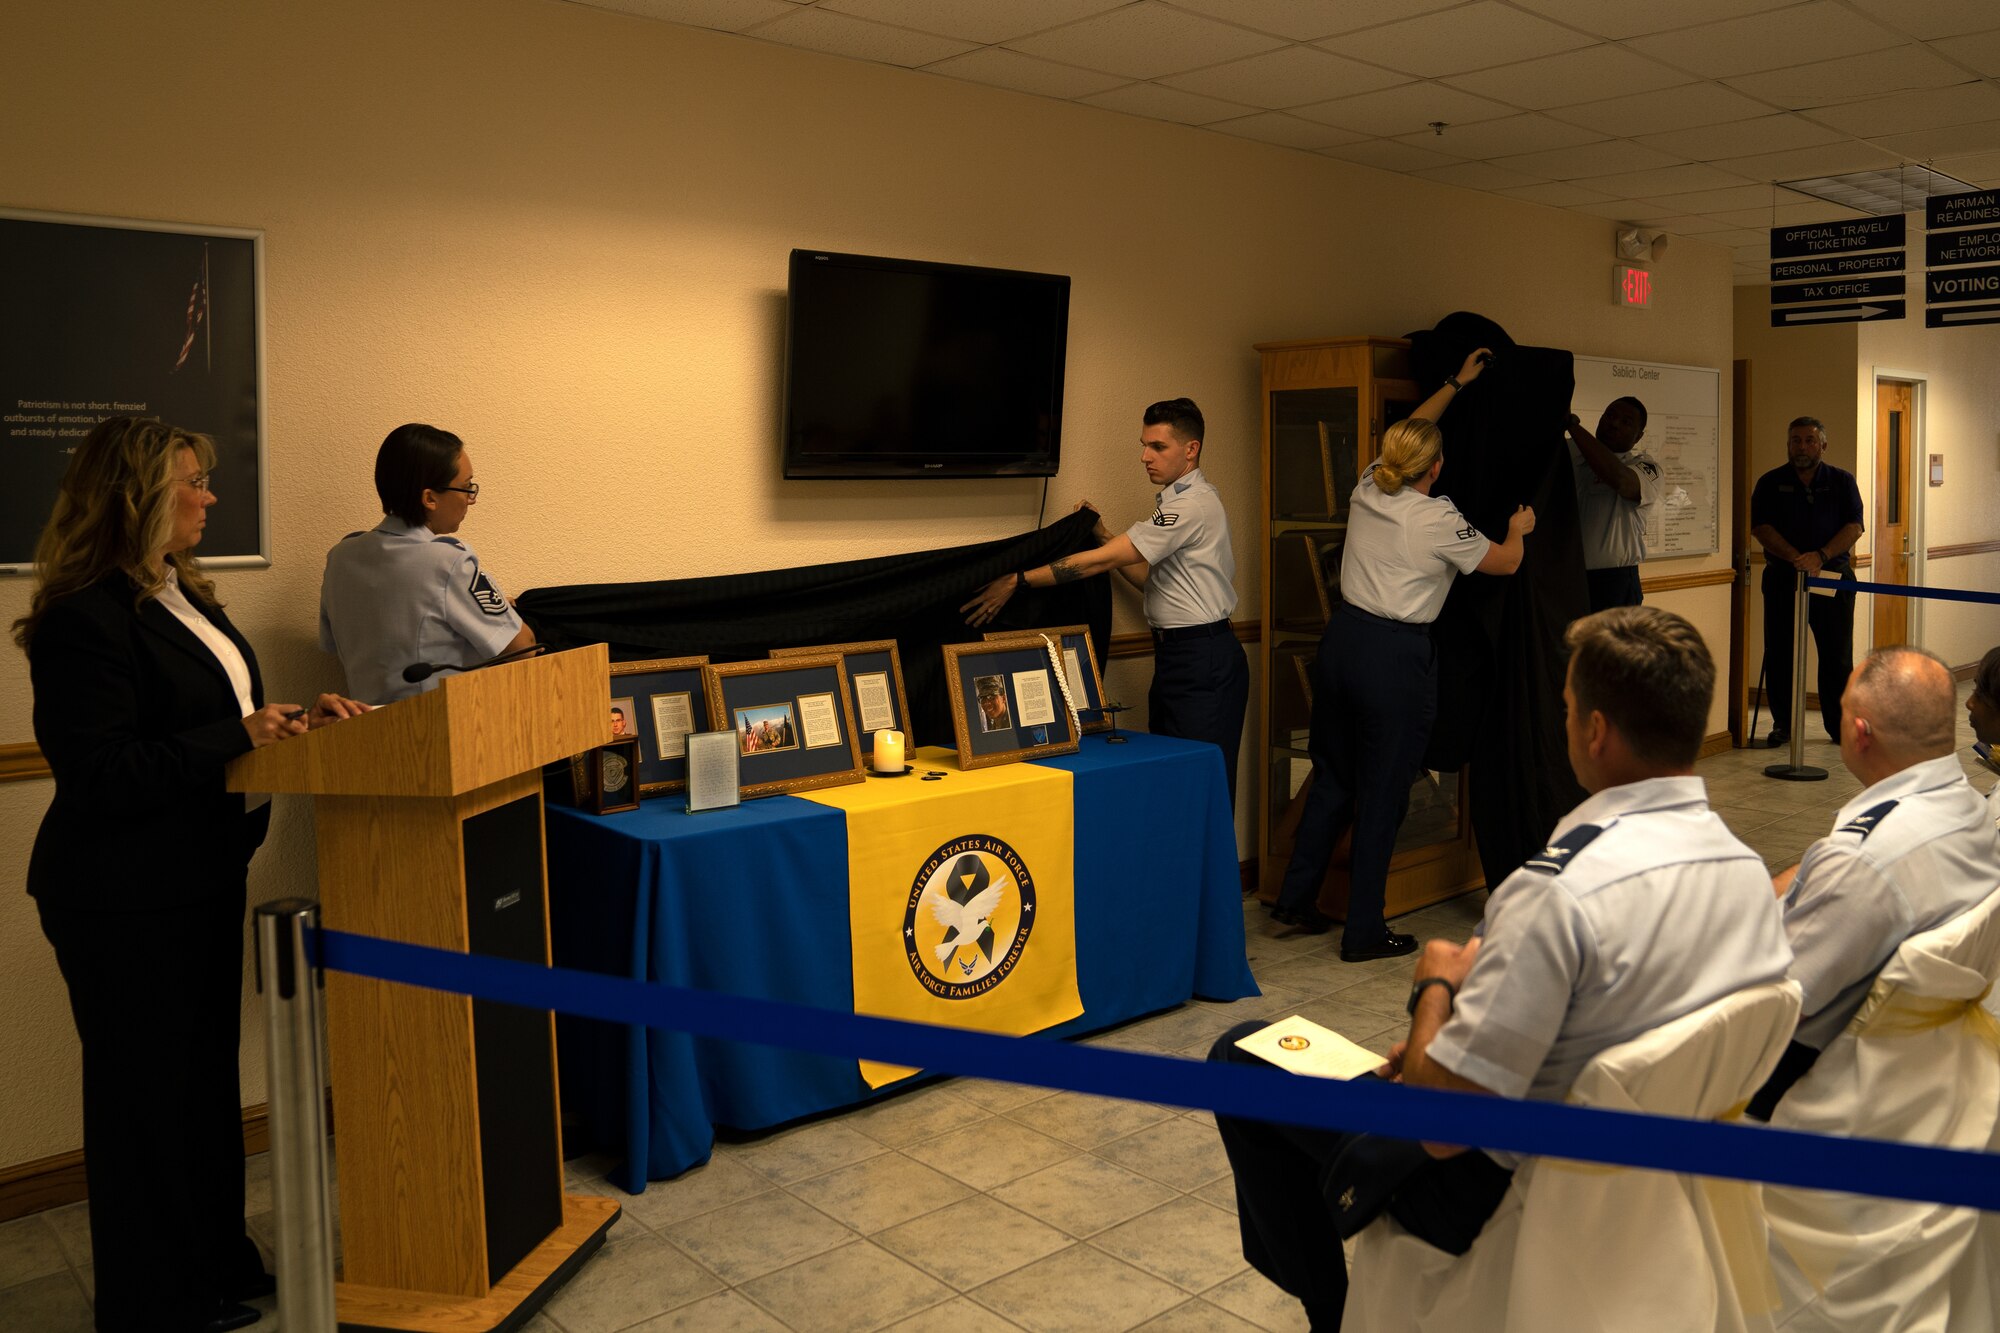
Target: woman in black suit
<point>143,692</point>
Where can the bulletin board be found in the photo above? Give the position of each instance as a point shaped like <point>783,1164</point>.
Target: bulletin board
<point>1683,410</point>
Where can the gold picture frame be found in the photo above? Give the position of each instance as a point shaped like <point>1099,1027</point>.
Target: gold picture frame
<point>1090,711</point>
<point>866,654</point>
<point>1015,661</point>
<point>644,682</point>
<point>823,749</point>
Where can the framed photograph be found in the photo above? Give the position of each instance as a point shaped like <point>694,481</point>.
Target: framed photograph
<point>606,778</point>
<point>1080,670</point>
<point>658,702</point>
<point>874,682</point>
<point>1005,703</point>
<point>791,719</point>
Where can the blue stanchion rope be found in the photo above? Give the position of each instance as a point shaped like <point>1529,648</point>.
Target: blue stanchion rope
<point>1903,590</point>
<point>1618,1138</point>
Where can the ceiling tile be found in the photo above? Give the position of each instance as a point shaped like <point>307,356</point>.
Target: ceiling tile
<point>1928,19</point>
<point>1144,41</point>
<point>1305,20</point>
<point>1958,140</point>
<point>1786,215</point>
<point>1667,109</point>
<point>1472,37</point>
<point>1736,238</point>
<point>1633,18</point>
<point>1739,196</point>
<point>1765,134</point>
<point>1594,159</point>
<point>1973,168</point>
<point>1158,103</point>
<point>1832,159</point>
<point>1388,155</point>
<point>1408,109</point>
<point>1499,138</point>
<point>1556,194</point>
<point>1820,30</point>
<point>1683,179</point>
<point>818,29</point>
<point>1614,210</point>
<point>725,15</point>
<point>1477,176</point>
<point>1681,224</point>
<point>1289,76</point>
<point>973,20</point>
<point>1824,82</point>
<point>1278,128</point>
<point>1024,74</point>
<point>1901,113</point>
<point>1574,76</point>
<point>1981,51</point>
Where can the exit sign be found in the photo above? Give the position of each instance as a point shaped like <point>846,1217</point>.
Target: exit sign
<point>1634,286</point>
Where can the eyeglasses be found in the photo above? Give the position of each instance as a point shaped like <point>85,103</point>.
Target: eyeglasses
<point>199,481</point>
<point>471,493</point>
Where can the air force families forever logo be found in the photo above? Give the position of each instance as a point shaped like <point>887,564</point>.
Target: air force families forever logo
<point>970,911</point>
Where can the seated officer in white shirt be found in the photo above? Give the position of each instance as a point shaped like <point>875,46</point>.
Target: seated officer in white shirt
<point>408,591</point>
<point>1643,908</point>
<point>1617,485</point>
<point>1983,707</point>
<point>1912,851</point>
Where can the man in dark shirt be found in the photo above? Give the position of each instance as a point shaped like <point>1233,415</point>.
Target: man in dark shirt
<point>1807,516</point>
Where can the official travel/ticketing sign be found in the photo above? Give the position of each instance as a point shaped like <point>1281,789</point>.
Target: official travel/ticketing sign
<point>1858,312</point>
<point>1962,284</point>
<point>1978,246</point>
<point>1843,266</point>
<point>1973,208</point>
<point>1833,238</point>
<point>1958,316</point>
<point>1837,289</point>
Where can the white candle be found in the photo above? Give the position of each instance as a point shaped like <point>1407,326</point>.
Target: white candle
<point>888,752</point>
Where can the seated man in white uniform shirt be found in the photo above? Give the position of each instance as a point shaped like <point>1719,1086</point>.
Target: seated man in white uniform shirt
<point>1912,851</point>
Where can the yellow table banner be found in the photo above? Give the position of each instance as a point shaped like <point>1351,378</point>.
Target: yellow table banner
<point>961,905</point>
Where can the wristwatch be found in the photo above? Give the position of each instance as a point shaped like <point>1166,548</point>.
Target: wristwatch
<point>1417,991</point>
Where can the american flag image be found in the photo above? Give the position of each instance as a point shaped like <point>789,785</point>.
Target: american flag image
<point>197,311</point>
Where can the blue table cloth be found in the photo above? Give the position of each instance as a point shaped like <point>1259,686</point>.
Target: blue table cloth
<point>753,901</point>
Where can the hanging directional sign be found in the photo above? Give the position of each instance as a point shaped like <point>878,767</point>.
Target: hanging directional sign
<point>1957,316</point>
<point>1792,270</point>
<point>1834,238</point>
<point>1945,248</point>
<point>1943,212</point>
<point>1856,313</point>
<point>1962,284</point>
<point>1839,289</point>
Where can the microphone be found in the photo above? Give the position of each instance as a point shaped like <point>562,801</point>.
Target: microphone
<point>425,670</point>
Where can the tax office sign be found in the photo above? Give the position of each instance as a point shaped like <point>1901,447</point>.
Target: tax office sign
<point>1847,271</point>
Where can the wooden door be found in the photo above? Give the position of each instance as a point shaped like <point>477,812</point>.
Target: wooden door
<point>1893,503</point>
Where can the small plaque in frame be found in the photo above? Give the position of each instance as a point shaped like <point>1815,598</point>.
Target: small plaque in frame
<point>714,781</point>
<point>792,719</point>
<point>658,702</point>
<point>1005,703</point>
<point>1079,657</point>
<point>874,682</point>
<point>606,777</point>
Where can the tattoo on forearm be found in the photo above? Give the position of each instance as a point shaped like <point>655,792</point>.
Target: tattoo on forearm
<point>1065,570</point>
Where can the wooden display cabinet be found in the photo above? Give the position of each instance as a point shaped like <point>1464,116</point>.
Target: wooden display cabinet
<point>1326,403</point>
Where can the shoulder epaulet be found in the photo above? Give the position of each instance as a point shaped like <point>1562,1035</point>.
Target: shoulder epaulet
<point>1865,822</point>
<point>449,541</point>
<point>1552,858</point>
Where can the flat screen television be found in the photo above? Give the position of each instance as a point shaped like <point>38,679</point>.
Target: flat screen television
<point>900,368</point>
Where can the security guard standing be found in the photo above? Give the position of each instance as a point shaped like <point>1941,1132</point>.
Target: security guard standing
<point>409,591</point>
<point>1181,559</point>
<point>1806,515</point>
<point>1376,693</point>
<point>1617,485</point>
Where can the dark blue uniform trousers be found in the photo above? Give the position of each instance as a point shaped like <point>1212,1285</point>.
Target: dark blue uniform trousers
<point>1373,706</point>
<point>1201,685</point>
<point>1617,586</point>
<point>1832,622</point>
<point>1286,1208</point>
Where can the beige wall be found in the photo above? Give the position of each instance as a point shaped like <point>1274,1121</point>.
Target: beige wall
<point>563,234</point>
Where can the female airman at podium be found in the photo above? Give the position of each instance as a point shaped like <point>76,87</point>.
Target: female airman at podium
<point>143,693</point>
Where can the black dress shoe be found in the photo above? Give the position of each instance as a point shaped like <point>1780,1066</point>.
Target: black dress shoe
<point>1310,921</point>
<point>1391,945</point>
<point>1284,916</point>
<point>231,1315</point>
<point>1777,740</point>
<point>250,1286</point>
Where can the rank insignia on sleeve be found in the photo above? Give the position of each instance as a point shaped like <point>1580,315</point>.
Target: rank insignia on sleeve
<point>1865,822</point>
<point>1165,520</point>
<point>483,592</point>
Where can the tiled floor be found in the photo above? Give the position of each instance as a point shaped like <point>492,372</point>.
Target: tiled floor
<point>968,1205</point>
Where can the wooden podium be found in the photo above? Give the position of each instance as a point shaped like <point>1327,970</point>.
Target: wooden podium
<point>429,815</point>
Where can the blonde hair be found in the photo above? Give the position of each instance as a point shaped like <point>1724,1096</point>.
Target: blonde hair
<point>115,512</point>
<point>1408,449</point>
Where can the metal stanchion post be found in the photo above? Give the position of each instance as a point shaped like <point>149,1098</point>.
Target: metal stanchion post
<point>1797,770</point>
<point>300,1178</point>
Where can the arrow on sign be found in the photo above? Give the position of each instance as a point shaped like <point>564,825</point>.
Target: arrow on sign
<point>1962,315</point>
<point>1852,314</point>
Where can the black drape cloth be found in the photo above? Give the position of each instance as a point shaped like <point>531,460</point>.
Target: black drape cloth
<point>913,599</point>
<point>1500,640</point>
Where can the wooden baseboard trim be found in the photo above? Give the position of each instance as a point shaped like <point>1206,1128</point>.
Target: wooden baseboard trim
<point>1141,645</point>
<point>22,762</point>
<point>1701,578</point>
<point>1960,548</point>
<point>1715,744</point>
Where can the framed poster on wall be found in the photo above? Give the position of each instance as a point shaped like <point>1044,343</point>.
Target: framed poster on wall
<point>110,317</point>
